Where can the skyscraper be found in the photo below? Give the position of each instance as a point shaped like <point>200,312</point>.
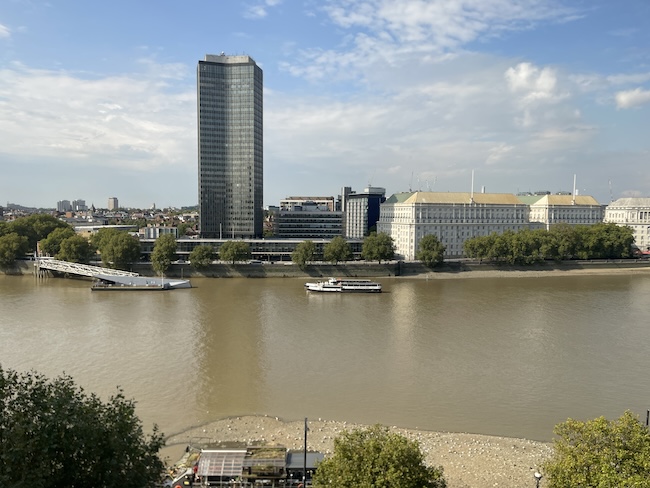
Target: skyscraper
<point>229,106</point>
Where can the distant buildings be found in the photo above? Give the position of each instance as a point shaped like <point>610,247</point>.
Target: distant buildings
<point>230,150</point>
<point>113,204</point>
<point>76,206</point>
<point>635,213</point>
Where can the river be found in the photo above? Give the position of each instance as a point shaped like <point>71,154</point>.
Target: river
<point>498,356</point>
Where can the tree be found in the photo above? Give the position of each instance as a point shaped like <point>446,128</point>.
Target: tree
<point>36,227</point>
<point>337,250</point>
<point>76,249</point>
<point>12,246</point>
<point>234,251</point>
<point>54,434</point>
<point>378,247</point>
<point>52,243</point>
<point>119,249</point>
<point>600,453</point>
<point>163,253</point>
<point>375,457</point>
<point>303,253</point>
<point>430,251</point>
<point>201,256</point>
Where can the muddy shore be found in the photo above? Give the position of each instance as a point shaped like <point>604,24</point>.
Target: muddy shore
<point>468,460</point>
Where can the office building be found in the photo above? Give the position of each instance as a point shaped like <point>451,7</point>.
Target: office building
<point>63,206</point>
<point>230,149</point>
<point>635,213</point>
<point>569,209</point>
<point>113,203</point>
<point>451,217</point>
<point>361,210</point>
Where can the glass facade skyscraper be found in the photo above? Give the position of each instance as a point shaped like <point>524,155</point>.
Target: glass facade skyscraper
<point>230,138</point>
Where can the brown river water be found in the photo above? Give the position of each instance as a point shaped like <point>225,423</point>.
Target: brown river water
<point>498,356</point>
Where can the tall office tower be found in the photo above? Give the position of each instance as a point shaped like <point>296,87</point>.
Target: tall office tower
<point>229,106</point>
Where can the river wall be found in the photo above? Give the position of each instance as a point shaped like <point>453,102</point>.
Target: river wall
<point>360,269</point>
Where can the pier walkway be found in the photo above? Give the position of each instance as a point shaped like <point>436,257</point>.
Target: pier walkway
<point>78,269</point>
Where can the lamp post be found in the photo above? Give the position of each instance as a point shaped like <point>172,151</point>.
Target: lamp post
<point>538,477</point>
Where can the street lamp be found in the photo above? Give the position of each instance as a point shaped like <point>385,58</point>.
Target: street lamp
<point>538,476</point>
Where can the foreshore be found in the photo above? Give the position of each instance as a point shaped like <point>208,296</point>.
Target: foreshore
<point>468,460</point>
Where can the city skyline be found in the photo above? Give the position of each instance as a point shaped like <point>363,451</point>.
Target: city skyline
<point>404,95</point>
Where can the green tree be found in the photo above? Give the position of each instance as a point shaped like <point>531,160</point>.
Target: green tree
<point>76,249</point>
<point>102,236</point>
<point>430,251</point>
<point>36,227</point>
<point>375,457</point>
<point>378,247</point>
<point>119,249</point>
<point>337,250</point>
<point>163,253</point>
<point>201,256</point>
<point>12,246</point>
<point>600,453</point>
<point>234,251</point>
<point>52,243</point>
<point>303,253</point>
<point>54,434</point>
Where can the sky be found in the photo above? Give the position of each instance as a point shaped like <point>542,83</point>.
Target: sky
<point>98,99</point>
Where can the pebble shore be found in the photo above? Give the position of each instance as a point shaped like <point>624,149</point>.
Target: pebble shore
<point>468,460</point>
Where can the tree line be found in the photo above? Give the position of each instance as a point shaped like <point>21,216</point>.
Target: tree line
<point>119,249</point>
<point>562,242</point>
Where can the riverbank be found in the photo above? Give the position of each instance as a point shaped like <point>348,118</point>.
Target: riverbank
<point>393,269</point>
<point>468,460</point>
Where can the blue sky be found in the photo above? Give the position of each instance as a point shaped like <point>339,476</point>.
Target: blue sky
<point>98,99</point>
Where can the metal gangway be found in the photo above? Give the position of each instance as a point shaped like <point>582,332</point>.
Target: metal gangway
<point>78,269</point>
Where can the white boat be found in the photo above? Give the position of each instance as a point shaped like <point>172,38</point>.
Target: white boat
<point>335,285</point>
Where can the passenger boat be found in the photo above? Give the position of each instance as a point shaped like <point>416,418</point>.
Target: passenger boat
<point>335,285</point>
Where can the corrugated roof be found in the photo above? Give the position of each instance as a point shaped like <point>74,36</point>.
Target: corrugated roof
<point>221,462</point>
<point>566,200</point>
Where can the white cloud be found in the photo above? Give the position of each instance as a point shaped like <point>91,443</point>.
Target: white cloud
<point>260,10</point>
<point>4,32</point>
<point>131,121</point>
<point>632,98</point>
<point>385,31</point>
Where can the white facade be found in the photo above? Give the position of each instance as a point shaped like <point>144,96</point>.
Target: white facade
<point>568,209</point>
<point>154,232</point>
<point>361,210</point>
<point>635,213</point>
<point>451,217</point>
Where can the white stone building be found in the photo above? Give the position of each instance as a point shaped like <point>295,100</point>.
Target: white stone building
<point>452,217</point>
<point>635,213</point>
<point>568,209</point>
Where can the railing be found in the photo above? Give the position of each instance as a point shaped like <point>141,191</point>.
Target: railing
<point>79,269</point>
